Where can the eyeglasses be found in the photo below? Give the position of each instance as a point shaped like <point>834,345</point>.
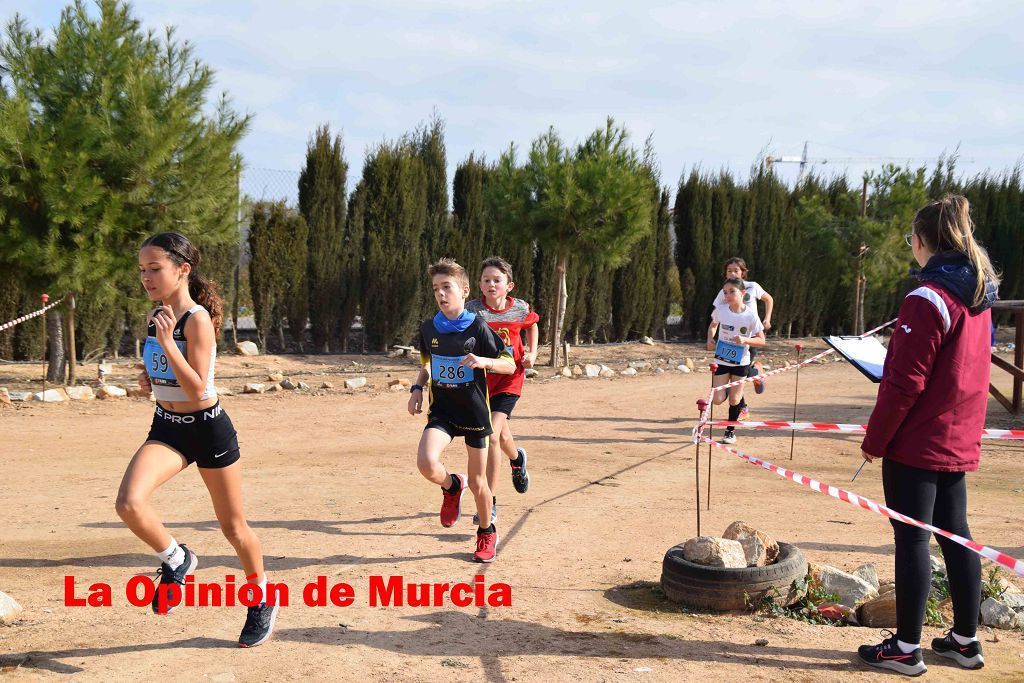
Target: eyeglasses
<point>909,239</point>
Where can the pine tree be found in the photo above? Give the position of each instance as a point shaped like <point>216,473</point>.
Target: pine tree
<point>322,202</point>
<point>105,138</point>
<point>593,202</point>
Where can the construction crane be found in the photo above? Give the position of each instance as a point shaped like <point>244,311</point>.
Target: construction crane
<point>803,160</point>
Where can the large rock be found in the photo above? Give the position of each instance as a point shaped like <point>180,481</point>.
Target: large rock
<point>659,371</point>
<point>20,396</point>
<point>110,391</point>
<point>247,348</point>
<point>355,382</point>
<point>577,371</point>
<point>1014,601</point>
<point>302,386</point>
<point>254,388</point>
<point>138,392</point>
<point>759,548</point>
<point>715,552</point>
<point>879,612</point>
<point>326,385</point>
<point>683,368</point>
<point>629,372</point>
<point>57,395</point>
<point>995,613</point>
<point>867,572</point>
<point>566,371</point>
<point>689,364</point>
<point>5,396</point>
<point>592,370</point>
<point>404,383</point>
<point>81,392</point>
<point>530,372</point>
<point>275,377</point>
<point>639,364</point>
<point>851,590</point>
<point>225,391</point>
<point>10,610</point>
<point>287,384</point>
<point>606,371</point>
<point>647,340</point>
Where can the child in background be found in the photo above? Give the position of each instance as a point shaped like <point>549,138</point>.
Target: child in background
<point>508,317</point>
<point>740,330</point>
<point>737,268</point>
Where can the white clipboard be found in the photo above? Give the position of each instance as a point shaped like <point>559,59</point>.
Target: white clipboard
<point>865,353</point>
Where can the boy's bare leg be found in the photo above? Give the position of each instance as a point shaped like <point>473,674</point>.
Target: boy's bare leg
<point>477,458</point>
<point>428,457</point>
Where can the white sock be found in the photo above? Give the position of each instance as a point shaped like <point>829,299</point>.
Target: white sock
<point>907,648</point>
<point>963,640</point>
<point>173,555</point>
<point>263,588</point>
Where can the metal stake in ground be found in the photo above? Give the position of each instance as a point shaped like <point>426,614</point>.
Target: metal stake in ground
<point>796,392</point>
<point>711,417</point>
<point>701,405</point>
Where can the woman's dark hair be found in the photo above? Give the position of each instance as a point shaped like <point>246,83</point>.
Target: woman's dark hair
<point>946,225</point>
<point>201,289</point>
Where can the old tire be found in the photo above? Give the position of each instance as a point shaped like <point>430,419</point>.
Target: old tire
<point>725,589</point>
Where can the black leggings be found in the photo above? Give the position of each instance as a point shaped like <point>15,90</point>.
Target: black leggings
<point>940,499</point>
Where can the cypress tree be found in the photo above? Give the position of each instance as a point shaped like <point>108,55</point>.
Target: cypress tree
<point>395,182</point>
<point>322,202</point>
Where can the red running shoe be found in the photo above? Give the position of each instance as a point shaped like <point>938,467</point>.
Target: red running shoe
<point>759,383</point>
<point>451,503</point>
<point>486,545</point>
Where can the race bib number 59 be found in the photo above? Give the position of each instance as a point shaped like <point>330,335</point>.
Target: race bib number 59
<point>447,370</point>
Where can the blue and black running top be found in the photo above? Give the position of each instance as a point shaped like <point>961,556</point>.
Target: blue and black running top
<point>161,374</point>
<point>458,393</point>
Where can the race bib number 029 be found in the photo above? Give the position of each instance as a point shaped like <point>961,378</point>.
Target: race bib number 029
<point>729,352</point>
<point>447,370</point>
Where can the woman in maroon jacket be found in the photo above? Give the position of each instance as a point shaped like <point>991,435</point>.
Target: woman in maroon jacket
<point>927,426</point>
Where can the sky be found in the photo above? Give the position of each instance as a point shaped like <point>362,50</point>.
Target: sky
<point>716,84</point>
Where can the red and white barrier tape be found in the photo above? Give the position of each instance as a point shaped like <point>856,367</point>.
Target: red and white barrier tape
<point>698,431</point>
<point>839,427</point>
<point>1011,563</point>
<point>29,316</point>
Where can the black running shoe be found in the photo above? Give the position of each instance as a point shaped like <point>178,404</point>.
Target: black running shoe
<point>520,477</point>
<point>888,655</point>
<point>968,656</point>
<point>170,576</point>
<point>259,624</point>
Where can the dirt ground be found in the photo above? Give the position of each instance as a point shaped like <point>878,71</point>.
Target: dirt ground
<point>332,489</point>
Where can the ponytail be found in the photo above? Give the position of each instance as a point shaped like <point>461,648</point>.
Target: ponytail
<point>205,293</point>
<point>946,225</point>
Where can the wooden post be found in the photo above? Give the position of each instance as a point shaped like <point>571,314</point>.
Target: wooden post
<point>796,392</point>
<point>71,340</point>
<point>45,297</point>
<point>701,404</point>
<point>711,417</point>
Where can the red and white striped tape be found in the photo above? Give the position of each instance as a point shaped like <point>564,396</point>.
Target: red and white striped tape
<point>1011,563</point>
<point>839,427</point>
<point>29,316</point>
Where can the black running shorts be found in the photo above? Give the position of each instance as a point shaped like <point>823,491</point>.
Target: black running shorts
<point>474,439</point>
<point>504,403</point>
<point>738,370</point>
<point>205,437</point>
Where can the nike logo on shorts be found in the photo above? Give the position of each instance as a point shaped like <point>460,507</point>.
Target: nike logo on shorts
<point>220,454</point>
